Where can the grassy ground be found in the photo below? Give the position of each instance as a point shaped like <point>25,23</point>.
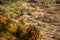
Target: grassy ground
<point>21,20</point>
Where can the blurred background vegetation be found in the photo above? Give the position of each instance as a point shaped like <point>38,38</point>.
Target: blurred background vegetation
<point>11,30</point>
